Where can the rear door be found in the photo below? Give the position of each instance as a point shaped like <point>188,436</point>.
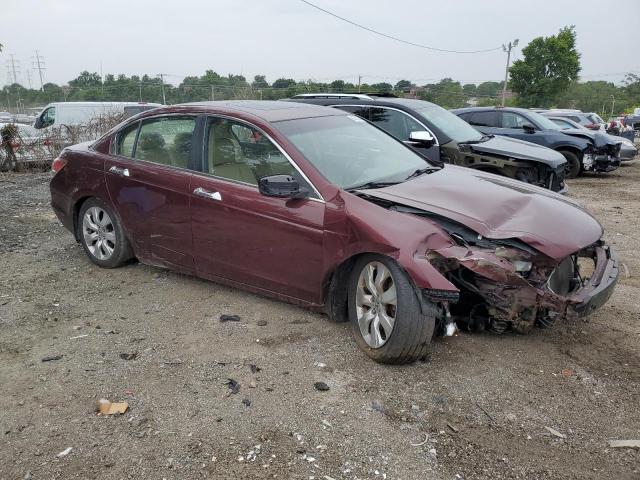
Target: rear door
<point>148,178</point>
<point>270,244</point>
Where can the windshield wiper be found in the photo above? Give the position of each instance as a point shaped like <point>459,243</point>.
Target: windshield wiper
<point>422,171</point>
<point>482,139</point>
<point>368,185</point>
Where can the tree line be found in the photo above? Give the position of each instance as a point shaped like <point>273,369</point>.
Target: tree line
<point>546,76</point>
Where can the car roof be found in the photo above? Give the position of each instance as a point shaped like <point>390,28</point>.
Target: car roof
<point>491,109</point>
<point>268,110</point>
<point>361,99</point>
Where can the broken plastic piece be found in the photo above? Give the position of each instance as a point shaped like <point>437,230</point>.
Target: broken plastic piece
<point>111,408</point>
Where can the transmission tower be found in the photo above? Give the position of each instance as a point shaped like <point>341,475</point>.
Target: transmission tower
<point>13,69</point>
<point>38,64</point>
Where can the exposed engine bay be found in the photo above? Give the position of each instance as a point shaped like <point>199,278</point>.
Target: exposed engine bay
<point>505,284</point>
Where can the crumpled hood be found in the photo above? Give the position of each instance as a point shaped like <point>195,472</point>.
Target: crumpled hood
<point>512,147</point>
<point>598,138</point>
<point>498,207</point>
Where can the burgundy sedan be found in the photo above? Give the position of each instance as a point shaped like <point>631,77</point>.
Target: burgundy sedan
<point>317,207</point>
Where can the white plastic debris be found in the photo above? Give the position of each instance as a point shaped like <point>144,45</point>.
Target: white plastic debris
<point>65,452</point>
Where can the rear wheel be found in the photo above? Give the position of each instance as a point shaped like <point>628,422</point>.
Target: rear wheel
<point>101,234</point>
<point>385,314</point>
<point>572,169</point>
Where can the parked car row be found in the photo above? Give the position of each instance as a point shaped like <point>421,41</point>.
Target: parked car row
<point>343,210</point>
<point>584,152</point>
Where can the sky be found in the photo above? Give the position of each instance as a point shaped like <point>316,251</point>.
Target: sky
<point>288,38</point>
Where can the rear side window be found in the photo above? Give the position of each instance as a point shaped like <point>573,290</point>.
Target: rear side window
<point>166,140</point>
<point>482,119</point>
<point>126,141</point>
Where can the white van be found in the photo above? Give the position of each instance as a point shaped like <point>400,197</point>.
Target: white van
<point>60,114</point>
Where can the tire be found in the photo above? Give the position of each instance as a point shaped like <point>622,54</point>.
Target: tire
<point>101,235</point>
<point>574,165</point>
<point>410,334</point>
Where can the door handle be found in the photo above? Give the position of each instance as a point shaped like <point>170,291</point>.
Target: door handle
<point>201,192</point>
<point>123,172</point>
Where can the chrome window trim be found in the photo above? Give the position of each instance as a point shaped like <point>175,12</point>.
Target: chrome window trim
<point>437,144</point>
<point>271,139</point>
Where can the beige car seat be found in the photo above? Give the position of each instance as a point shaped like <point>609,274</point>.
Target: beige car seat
<point>225,155</point>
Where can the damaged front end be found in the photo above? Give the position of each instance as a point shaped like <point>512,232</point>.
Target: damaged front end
<point>602,157</point>
<point>507,285</point>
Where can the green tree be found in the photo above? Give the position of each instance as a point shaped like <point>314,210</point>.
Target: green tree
<point>549,66</point>
<point>403,85</point>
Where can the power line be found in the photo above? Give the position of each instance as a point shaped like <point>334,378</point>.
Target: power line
<point>391,37</point>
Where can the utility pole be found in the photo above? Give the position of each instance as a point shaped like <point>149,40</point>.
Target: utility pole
<point>29,79</point>
<point>213,93</point>
<point>38,63</point>
<point>359,82</point>
<point>14,68</point>
<point>140,90</point>
<point>164,99</point>
<point>613,102</point>
<point>507,49</point>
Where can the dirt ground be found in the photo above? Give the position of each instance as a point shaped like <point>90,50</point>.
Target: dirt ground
<point>478,409</point>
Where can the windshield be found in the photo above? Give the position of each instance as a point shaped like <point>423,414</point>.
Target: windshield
<point>595,118</point>
<point>348,151</point>
<point>451,125</point>
<point>542,121</point>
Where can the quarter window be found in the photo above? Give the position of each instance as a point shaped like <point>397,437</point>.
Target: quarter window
<point>238,152</point>
<point>126,141</point>
<point>481,119</point>
<point>395,123</point>
<point>166,140</point>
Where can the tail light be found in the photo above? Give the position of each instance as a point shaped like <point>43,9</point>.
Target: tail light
<point>58,164</point>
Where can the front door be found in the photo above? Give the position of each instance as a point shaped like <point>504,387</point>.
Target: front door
<point>271,244</point>
<point>148,180</point>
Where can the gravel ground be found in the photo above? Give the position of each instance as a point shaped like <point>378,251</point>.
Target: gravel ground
<point>480,408</point>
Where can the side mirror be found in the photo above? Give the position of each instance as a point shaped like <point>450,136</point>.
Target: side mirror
<point>421,138</point>
<point>528,128</point>
<point>281,186</point>
<point>38,123</point>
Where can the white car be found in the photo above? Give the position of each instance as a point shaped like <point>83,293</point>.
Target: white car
<point>30,146</point>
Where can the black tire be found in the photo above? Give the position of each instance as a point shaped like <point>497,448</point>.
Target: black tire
<point>121,251</point>
<point>574,165</point>
<point>412,330</point>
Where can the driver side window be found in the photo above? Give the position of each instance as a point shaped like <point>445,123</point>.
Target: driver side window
<point>49,116</point>
<point>238,152</point>
<point>395,123</point>
<point>513,120</point>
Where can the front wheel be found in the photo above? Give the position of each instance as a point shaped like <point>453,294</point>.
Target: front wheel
<point>572,169</point>
<point>101,234</point>
<point>385,314</point>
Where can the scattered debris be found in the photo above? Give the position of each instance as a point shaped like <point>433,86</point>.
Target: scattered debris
<point>452,427</point>
<point>426,439</point>
<point>624,443</point>
<point>254,368</point>
<point>253,384</point>
<point>129,356</point>
<point>485,412</point>
<point>555,432</point>
<point>246,402</point>
<point>379,406</point>
<point>234,387</point>
<point>78,336</point>
<point>51,358</point>
<point>65,452</point>
<point>321,386</point>
<point>298,321</point>
<point>326,424</point>
<point>511,417</point>
<point>566,372</point>
<point>261,323</point>
<point>229,318</point>
<point>105,407</point>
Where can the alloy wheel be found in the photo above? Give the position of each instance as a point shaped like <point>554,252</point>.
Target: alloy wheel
<point>98,232</point>
<point>376,304</point>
